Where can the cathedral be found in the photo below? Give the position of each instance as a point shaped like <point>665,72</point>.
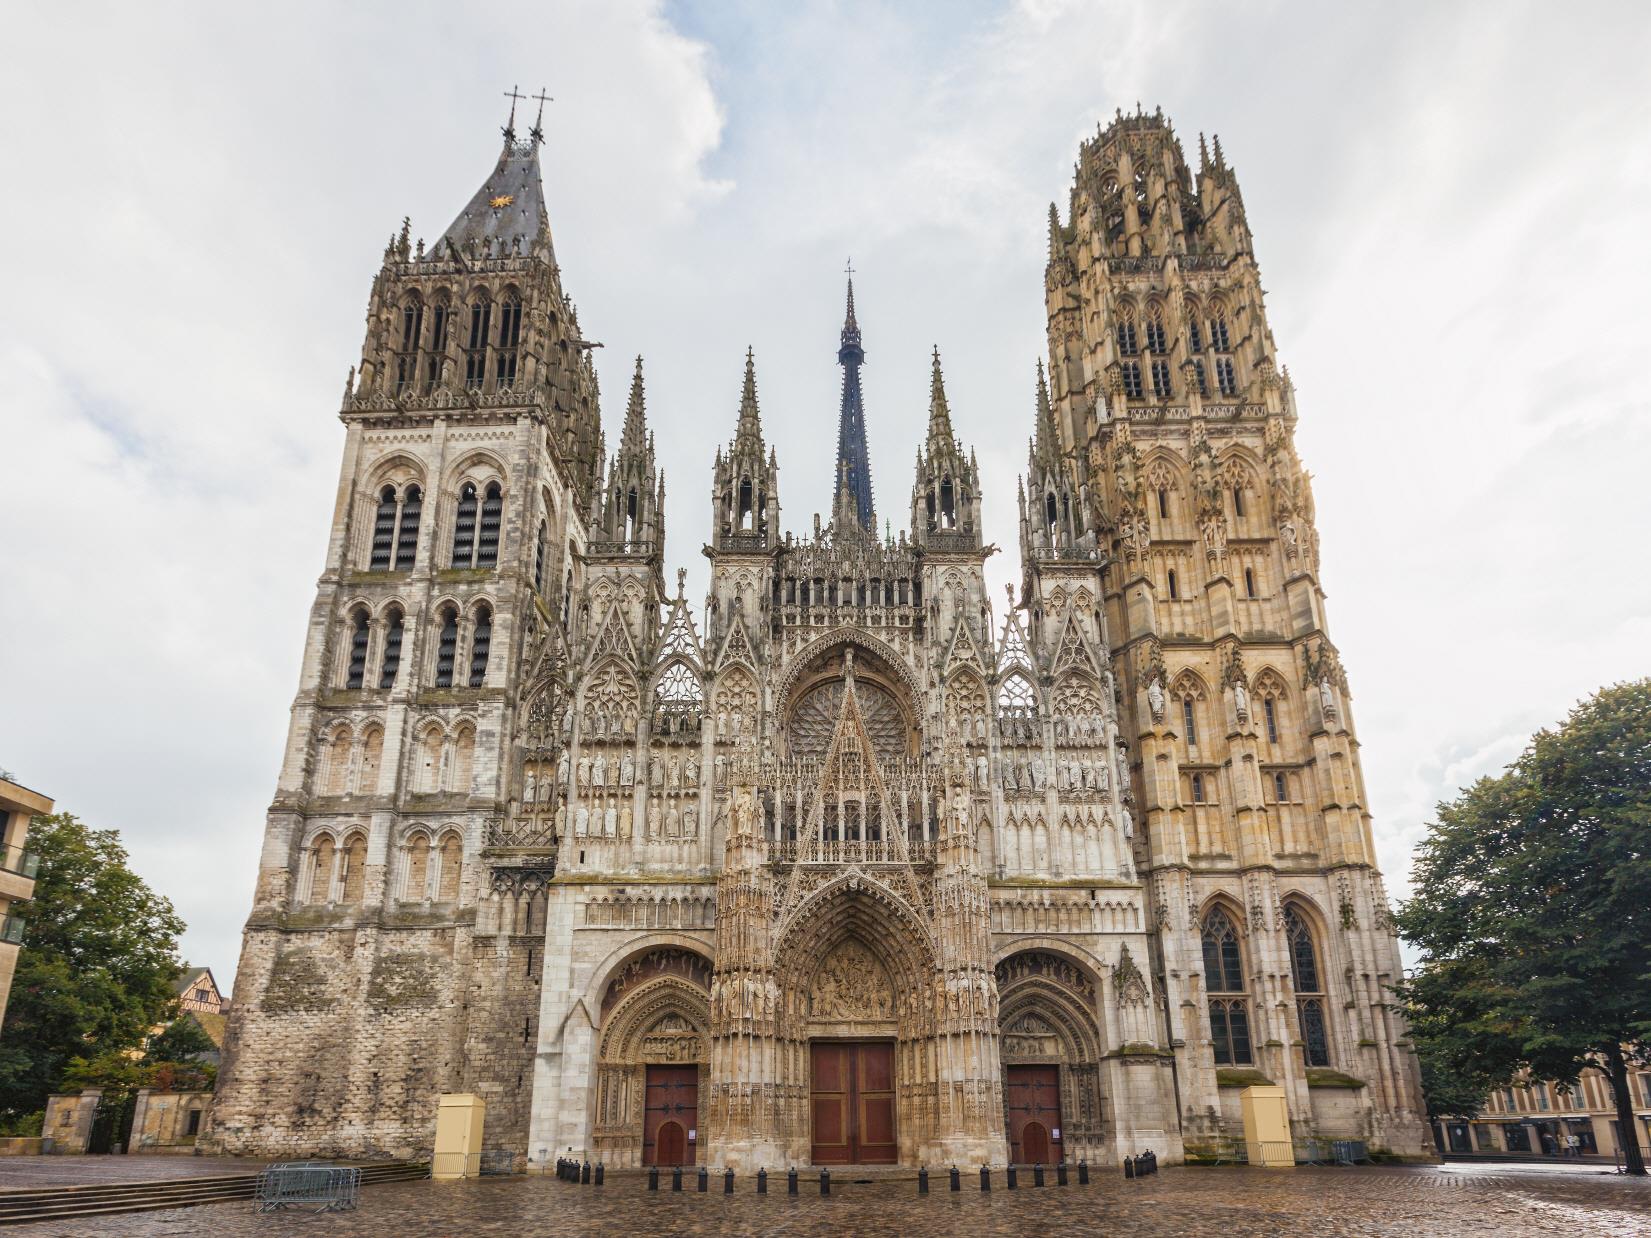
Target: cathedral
<point>852,863</point>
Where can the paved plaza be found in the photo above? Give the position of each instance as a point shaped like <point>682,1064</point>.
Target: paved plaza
<point>1417,1202</point>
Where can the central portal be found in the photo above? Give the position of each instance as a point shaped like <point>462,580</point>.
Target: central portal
<point>853,1103</point>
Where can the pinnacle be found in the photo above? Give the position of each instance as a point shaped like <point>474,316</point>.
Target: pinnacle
<point>636,429</point>
<point>750,422</point>
<point>940,416</point>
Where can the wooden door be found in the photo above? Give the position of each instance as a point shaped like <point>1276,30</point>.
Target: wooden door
<point>853,1103</point>
<point>1034,1109</point>
<point>671,1110</point>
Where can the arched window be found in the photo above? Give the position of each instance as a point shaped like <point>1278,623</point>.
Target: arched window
<point>384,531</point>
<point>1224,981</point>
<point>321,873</point>
<point>510,338</point>
<point>1220,338</point>
<point>412,329</point>
<point>487,542</point>
<point>1128,344</point>
<point>475,352</point>
<point>1163,502</point>
<point>336,774</point>
<point>353,876</point>
<point>567,598</point>
<point>393,631</point>
<point>1198,788</point>
<point>1132,380</point>
<point>412,506</point>
<point>357,673</point>
<point>416,883</point>
<point>447,646</point>
<point>452,860</point>
<point>744,520</point>
<point>1226,376</point>
<point>1304,972</point>
<point>440,317</point>
<point>1157,337</point>
<point>464,527</point>
<point>372,756</point>
<point>481,637</point>
<point>430,744</point>
<point>464,759</point>
<point>1249,582</point>
<point>1238,502</point>
<point>1174,584</point>
<point>1281,789</point>
<point>1049,512</point>
<point>948,505</point>
<point>1161,383</point>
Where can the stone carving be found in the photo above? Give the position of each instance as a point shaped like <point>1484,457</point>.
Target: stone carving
<point>851,985</point>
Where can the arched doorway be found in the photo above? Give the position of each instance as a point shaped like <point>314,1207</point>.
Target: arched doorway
<point>670,1145</point>
<point>1050,1046</point>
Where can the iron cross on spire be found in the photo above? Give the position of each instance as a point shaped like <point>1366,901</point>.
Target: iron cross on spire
<point>510,125</point>
<point>537,133</point>
<point>848,268</point>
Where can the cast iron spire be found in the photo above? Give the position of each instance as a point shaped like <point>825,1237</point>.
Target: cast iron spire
<point>853,466</point>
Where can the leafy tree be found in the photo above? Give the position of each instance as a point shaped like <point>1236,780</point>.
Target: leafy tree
<point>181,1040</point>
<point>97,967</point>
<point>1533,912</point>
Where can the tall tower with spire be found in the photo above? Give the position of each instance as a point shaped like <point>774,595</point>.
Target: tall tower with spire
<point>853,464</point>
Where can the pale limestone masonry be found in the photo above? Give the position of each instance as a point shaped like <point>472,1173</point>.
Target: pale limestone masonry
<point>842,868</point>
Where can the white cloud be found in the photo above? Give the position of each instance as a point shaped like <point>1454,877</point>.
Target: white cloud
<point>1447,211</point>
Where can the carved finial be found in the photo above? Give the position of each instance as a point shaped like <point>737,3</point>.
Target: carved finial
<point>681,581</point>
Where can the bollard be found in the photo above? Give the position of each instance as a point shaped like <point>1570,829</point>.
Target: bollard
<point>728,1182</point>
<point>791,1181</point>
<point>1037,1174</point>
<point>1129,1167</point>
<point>825,1181</point>
<point>762,1182</point>
<point>584,1175</point>
<point>653,1177</point>
<point>598,1173</point>
<point>704,1179</point>
<point>676,1177</point>
<point>1013,1175</point>
<point>985,1177</point>
<point>922,1179</point>
<point>957,1179</point>
<point>1083,1173</point>
<point>1060,1174</point>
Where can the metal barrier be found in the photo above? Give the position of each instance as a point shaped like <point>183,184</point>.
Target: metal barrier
<point>1350,1151</point>
<point>314,1185</point>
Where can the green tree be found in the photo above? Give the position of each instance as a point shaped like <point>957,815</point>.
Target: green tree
<point>98,962</point>
<point>181,1040</point>
<point>1532,910</point>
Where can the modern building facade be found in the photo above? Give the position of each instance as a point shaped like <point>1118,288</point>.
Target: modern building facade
<point>18,864</point>
<point>1530,1118</point>
<point>853,864</point>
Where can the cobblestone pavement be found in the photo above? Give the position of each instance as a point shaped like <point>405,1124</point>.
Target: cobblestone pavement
<point>1196,1203</point>
<point>19,1173</point>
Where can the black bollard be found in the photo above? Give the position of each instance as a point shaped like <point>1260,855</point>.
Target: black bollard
<point>957,1179</point>
<point>1014,1176</point>
<point>791,1181</point>
<point>704,1179</point>
<point>985,1177</point>
<point>584,1175</point>
<point>762,1182</point>
<point>825,1181</point>
<point>1037,1174</point>
<point>653,1177</point>
<point>922,1179</point>
<point>598,1173</point>
<point>728,1182</point>
<point>676,1177</point>
<point>1083,1173</point>
<point>1129,1167</point>
<point>1060,1174</point>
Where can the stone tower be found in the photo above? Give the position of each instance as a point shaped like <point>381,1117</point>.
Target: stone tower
<point>838,867</point>
<point>1274,941</point>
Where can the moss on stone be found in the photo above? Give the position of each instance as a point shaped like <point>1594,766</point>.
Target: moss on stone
<point>1325,1077</point>
<point>1241,1077</point>
<point>403,980</point>
<point>298,981</point>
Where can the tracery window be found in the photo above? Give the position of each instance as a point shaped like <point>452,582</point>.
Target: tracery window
<point>1016,695</point>
<point>412,328</point>
<point>1128,345</point>
<point>1219,338</point>
<point>1224,981</point>
<point>1304,972</point>
<point>1189,721</point>
<point>510,338</point>
<point>1160,378</point>
<point>475,352</point>
<point>440,317</point>
<point>1201,375</point>
<point>1132,379</point>
<point>1157,337</point>
<point>1226,376</point>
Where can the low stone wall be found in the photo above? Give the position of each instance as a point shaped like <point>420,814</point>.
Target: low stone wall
<point>21,1145</point>
<point>68,1121</point>
<point>168,1121</point>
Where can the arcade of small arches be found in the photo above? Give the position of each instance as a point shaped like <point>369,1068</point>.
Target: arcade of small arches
<point>427,867</point>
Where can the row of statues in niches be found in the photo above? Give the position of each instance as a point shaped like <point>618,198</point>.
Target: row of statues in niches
<point>670,817</point>
<point>1024,726</point>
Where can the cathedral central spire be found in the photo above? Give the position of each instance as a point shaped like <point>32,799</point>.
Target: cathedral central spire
<point>853,465</point>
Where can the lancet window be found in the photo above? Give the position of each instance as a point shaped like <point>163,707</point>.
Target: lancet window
<point>394,627</point>
<point>510,339</point>
<point>356,673</point>
<point>1304,972</point>
<point>481,639</point>
<point>475,352</point>
<point>1224,982</point>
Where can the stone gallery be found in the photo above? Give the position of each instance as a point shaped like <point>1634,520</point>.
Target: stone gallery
<point>855,863</point>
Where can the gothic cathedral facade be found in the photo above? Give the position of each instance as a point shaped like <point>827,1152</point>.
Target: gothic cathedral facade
<point>853,864</point>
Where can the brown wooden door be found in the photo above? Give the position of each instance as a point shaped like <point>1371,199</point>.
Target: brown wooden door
<point>671,1111</point>
<point>1034,1105</point>
<point>853,1103</point>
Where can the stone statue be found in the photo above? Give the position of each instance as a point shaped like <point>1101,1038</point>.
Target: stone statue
<point>1327,698</point>
<point>610,820</point>
<point>671,821</point>
<point>627,771</point>
<point>690,822</point>
<point>581,823</point>
<point>1155,699</point>
<point>653,818</point>
<point>584,771</point>
<point>1241,700</point>
<point>599,771</point>
<point>1287,534</point>
<point>1129,820</point>
<point>625,821</point>
<point>1037,773</point>
<point>656,773</point>
<point>561,821</point>
<point>562,771</point>
<point>690,772</point>
<point>982,778</point>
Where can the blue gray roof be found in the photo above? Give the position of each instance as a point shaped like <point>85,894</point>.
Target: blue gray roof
<point>508,208</point>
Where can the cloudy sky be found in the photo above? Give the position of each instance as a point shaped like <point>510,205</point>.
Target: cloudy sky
<point>1449,204</point>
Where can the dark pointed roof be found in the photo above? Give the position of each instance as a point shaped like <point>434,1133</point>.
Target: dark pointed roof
<point>508,208</point>
<point>853,461</point>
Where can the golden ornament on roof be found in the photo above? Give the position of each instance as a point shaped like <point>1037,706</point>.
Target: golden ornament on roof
<point>503,199</point>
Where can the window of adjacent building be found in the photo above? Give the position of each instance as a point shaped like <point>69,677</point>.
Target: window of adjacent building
<point>447,647</point>
<point>1304,972</point>
<point>392,650</point>
<point>1224,981</point>
<point>1132,379</point>
<point>359,631</point>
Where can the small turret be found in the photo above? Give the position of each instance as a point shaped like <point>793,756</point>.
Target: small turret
<point>946,495</point>
<point>745,493</point>
<point>631,516</point>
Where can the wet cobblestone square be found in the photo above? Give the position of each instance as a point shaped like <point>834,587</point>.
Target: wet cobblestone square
<point>1420,1202</point>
